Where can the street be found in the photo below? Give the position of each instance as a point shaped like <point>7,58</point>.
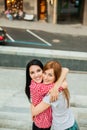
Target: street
<point>46,40</point>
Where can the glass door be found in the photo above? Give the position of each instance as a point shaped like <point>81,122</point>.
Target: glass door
<point>69,10</point>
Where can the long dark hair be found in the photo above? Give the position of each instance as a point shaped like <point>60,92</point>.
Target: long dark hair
<point>28,78</point>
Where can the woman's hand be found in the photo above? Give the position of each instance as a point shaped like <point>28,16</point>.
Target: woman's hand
<point>53,94</point>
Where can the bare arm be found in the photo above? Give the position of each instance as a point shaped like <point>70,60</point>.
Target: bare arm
<point>43,106</point>
<point>39,108</point>
<point>54,91</point>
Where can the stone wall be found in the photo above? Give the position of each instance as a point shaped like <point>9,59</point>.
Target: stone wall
<point>2,5</point>
<point>28,6</point>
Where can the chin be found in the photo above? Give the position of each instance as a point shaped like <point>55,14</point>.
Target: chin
<point>46,83</point>
<point>39,81</point>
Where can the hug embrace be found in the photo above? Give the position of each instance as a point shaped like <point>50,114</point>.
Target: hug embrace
<point>47,91</point>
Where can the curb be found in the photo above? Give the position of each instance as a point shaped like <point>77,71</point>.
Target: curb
<point>18,57</point>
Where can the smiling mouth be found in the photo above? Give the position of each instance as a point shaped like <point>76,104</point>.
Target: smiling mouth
<point>38,78</point>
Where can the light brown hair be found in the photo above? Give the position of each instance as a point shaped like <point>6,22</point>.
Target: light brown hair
<point>56,66</point>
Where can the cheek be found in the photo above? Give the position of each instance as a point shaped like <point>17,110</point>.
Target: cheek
<point>32,76</point>
<point>52,79</point>
<point>41,74</point>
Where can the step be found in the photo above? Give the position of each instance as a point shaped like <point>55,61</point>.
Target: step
<point>18,57</point>
<point>15,121</point>
<point>7,129</point>
<point>80,116</point>
<point>15,124</point>
<point>22,121</point>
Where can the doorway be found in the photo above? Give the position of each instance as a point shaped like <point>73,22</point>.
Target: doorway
<point>42,10</point>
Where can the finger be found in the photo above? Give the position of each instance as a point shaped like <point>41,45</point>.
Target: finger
<point>52,99</point>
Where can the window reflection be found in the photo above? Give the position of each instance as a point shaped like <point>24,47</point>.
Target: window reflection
<point>68,9</point>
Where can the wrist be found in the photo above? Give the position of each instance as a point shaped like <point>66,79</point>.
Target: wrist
<point>60,89</point>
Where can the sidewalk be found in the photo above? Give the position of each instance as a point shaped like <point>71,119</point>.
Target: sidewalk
<point>74,29</point>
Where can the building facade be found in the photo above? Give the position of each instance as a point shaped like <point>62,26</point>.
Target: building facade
<point>53,11</point>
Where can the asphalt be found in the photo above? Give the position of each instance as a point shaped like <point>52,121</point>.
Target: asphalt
<point>14,106</point>
<point>73,56</point>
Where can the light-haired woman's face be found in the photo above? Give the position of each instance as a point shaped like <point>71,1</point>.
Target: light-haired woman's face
<point>48,76</point>
<point>36,73</point>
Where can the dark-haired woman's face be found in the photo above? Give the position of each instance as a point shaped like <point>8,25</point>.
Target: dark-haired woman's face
<point>36,73</point>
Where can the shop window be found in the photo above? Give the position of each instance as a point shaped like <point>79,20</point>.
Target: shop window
<point>68,9</point>
<point>14,4</point>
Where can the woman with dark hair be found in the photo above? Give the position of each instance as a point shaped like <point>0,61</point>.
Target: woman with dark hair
<point>35,92</point>
<point>28,78</point>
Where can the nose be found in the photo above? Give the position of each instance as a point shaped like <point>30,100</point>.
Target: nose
<point>36,74</point>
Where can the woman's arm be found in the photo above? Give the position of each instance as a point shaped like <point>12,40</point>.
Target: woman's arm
<point>39,108</point>
<point>43,105</point>
<point>54,91</point>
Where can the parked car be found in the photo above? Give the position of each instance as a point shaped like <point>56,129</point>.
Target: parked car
<point>2,36</point>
